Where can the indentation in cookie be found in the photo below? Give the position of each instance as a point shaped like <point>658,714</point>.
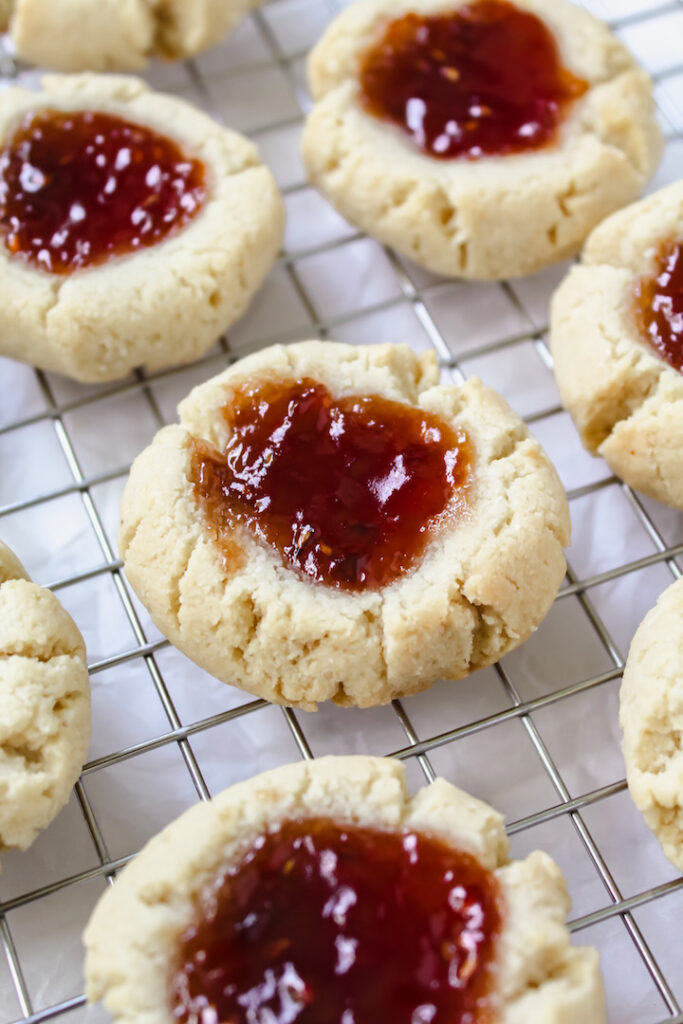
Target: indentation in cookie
<point>324,921</point>
<point>658,304</point>
<point>348,490</point>
<point>78,188</point>
<point>484,79</point>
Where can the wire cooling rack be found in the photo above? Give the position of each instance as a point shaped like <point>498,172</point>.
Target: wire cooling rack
<point>536,735</point>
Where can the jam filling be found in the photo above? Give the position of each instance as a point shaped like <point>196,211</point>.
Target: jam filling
<point>485,79</point>
<point>659,305</point>
<point>327,924</point>
<point>79,188</point>
<point>347,490</point>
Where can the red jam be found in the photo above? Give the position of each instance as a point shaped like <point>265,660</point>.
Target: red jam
<point>347,490</point>
<point>326,924</point>
<point>78,188</point>
<point>659,305</point>
<point>485,79</point>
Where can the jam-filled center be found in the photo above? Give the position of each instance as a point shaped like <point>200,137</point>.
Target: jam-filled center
<point>484,79</point>
<point>347,490</point>
<point>328,924</point>
<point>80,187</point>
<point>659,305</point>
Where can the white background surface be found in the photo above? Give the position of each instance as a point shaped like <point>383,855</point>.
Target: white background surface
<point>165,734</point>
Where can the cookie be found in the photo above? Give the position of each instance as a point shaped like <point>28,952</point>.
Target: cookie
<point>330,613</point>
<point>44,705</point>
<point>651,717</point>
<point>5,14</point>
<point>200,225</point>
<point>371,829</point>
<point>110,35</point>
<point>622,389</point>
<point>492,209</point>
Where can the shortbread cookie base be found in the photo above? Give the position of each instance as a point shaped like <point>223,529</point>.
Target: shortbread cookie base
<point>626,402</point>
<point>100,323</point>
<point>493,217</point>
<point>132,936</point>
<point>483,585</point>
<point>113,35</point>
<point>651,716</point>
<point>44,705</point>
<point>5,13</point>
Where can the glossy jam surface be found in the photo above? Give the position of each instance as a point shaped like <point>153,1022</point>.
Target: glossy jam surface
<point>659,305</point>
<point>348,491</point>
<point>483,80</point>
<point>79,188</point>
<point>325,924</point>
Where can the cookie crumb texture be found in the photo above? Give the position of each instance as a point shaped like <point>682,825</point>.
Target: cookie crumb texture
<point>44,705</point>
<point>134,937</point>
<point>651,717</point>
<point>163,304</point>
<point>483,585</point>
<point>626,401</point>
<point>116,35</point>
<point>471,217</point>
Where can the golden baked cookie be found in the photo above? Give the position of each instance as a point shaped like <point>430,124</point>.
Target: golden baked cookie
<point>202,918</point>
<point>44,705</point>
<point>617,342</point>
<point>133,228</point>
<point>5,13</point>
<point>651,717</point>
<point>116,35</point>
<point>356,580</point>
<point>467,186</point>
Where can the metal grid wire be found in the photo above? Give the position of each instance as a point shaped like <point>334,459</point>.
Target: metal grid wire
<point>415,290</point>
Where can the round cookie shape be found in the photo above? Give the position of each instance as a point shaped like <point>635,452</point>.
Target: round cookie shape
<point>626,401</point>
<point>651,718</point>
<point>99,323</point>
<point>113,35</point>
<point>493,216</point>
<point>44,705</point>
<point>133,937</point>
<point>484,581</point>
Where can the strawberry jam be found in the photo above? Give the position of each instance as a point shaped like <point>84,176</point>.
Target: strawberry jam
<point>347,490</point>
<point>482,80</point>
<point>78,188</point>
<point>331,924</point>
<point>659,305</point>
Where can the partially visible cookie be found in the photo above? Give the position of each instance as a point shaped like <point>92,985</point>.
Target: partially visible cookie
<point>336,829</point>
<point>651,716</point>
<point>117,35</point>
<point>116,256</point>
<point>44,705</point>
<point>607,327</point>
<point>314,618</point>
<point>5,13</point>
<point>477,212</point>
